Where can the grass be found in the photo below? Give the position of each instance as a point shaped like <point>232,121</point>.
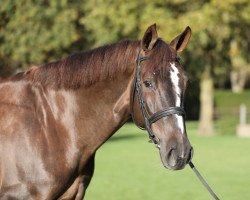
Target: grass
<point>228,103</point>
<point>227,106</point>
<point>129,168</point>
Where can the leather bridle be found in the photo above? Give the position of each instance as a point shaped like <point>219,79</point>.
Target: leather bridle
<point>149,119</point>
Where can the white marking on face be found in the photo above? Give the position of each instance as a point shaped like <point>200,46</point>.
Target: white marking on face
<point>174,72</point>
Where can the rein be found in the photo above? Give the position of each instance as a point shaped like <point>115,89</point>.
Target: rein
<point>150,119</point>
<point>203,181</point>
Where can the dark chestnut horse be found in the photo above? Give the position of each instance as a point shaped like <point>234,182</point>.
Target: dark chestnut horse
<point>53,118</point>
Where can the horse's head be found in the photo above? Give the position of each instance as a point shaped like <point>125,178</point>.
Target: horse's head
<point>158,96</point>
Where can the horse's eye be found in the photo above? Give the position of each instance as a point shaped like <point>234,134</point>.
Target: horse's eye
<point>148,84</point>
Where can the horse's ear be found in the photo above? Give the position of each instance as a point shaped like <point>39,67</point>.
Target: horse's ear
<point>149,39</point>
<point>180,42</point>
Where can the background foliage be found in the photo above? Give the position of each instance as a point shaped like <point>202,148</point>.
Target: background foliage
<point>33,32</point>
<point>38,31</point>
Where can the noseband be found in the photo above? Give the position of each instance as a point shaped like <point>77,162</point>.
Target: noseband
<point>148,119</point>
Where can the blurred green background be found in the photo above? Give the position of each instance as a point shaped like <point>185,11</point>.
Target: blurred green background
<point>217,61</point>
<point>129,168</point>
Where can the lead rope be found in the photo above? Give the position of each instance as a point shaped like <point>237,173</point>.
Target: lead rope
<point>203,181</point>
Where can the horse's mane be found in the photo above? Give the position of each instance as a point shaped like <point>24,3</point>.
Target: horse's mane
<point>84,68</point>
<point>87,68</point>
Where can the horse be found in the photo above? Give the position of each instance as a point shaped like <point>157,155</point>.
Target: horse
<point>54,117</point>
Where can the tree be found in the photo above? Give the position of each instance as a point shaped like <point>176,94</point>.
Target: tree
<point>41,31</point>
<point>33,32</point>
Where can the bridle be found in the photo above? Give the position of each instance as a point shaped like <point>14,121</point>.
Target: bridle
<point>149,119</point>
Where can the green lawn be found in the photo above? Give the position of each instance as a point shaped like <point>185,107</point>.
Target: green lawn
<point>227,106</point>
<point>228,103</point>
<point>129,168</point>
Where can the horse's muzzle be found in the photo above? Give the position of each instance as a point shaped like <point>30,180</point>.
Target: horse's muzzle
<point>177,157</point>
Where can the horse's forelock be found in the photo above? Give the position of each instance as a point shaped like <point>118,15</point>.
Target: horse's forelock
<point>160,57</point>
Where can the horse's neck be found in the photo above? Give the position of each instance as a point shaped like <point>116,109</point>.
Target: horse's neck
<point>85,118</point>
<point>102,109</point>
<point>99,105</point>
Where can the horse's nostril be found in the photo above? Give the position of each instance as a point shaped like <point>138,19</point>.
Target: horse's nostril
<point>171,157</point>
